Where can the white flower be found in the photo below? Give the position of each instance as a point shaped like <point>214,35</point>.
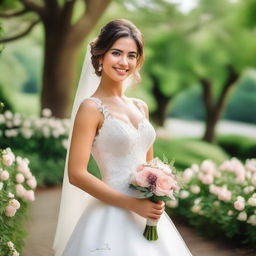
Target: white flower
<point>195,189</point>
<point>26,133</point>
<point>252,220</point>
<point>10,195</point>
<point>64,143</point>
<point>10,245</point>
<point>242,216</point>
<point>197,201</point>
<point>252,201</point>
<point>46,112</point>
<point>2,119</point>
<point>172,203</point>
<point>1,185</point>
<point>184,194</point>
<point>216,203</point>
<point>230,213</point>
<point>8,114</point>
<point>248,189</point>
<point>196,208</point>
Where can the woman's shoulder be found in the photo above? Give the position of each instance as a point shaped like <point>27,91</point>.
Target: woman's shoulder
<point>90,105</point>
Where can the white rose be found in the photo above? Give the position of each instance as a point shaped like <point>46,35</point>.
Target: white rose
<point>252,220</point>
<point>242,216</point>
<point>172,203</point>
<point>195,189</point>
<point>252,201</point>
<point>184,194</point>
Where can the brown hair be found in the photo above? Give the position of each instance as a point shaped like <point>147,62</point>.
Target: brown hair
<point>111,32</point>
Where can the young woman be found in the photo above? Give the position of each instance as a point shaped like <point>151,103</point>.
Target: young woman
<point>106,217</point>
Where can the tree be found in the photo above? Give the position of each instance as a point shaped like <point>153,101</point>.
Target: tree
<point>64,36</point>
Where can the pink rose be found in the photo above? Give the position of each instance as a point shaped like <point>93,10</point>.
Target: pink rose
<point>10,211</point>
<point>163,185</point>
<point>32,182</point>
<point>224,194</point>
<point>8,159</point>
<point>14,203</point>
<point>29,195</point>
<point>20,190</point>
<point>239,205</point>
<point>142,178</point>
<point>207,179</point>
<point>4,175</point>
<point>19,178</point>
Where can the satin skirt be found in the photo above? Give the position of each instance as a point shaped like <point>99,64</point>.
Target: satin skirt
<point>106,230</point>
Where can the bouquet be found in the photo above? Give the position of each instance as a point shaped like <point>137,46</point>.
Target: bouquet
<point>156,180</point>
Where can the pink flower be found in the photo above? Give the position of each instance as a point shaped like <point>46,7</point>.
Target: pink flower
<point>10,211</point>
<point>14,203</point>
<point>142,177</point>
<point>207,179</point>
<point>29,195</point>
<point>214,189</point>
<point>20,190</point>
<point>163,185</point>
<point>32,182</point>
<point>8,159</point>
<point>224,194</point>
<point>239,205</point>
<point>19,178</point>
<point>4,175</point>
<point>187,174</point>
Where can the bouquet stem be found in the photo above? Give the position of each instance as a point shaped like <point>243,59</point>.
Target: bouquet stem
<point>150,232</point>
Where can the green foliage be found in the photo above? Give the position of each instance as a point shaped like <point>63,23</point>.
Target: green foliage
<point>238,146</point>
<point>187,151</point>
<point>4,98</point>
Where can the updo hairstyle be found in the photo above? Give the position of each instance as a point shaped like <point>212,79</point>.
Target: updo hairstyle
<point>110,33</point>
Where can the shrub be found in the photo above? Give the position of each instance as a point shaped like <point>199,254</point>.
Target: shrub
<point>220,199</point>
<point>17,186</point>
<point>238,146</point>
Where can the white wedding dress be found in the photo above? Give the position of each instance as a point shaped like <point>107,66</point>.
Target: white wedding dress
<point>104,229</point>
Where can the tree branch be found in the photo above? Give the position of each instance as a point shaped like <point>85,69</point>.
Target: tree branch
<point>13,14</point>
<point>232,78</point>
<point>207,94</point>
<point>66,12</point>
<point>40,10</point>
<point>52,6</point>
<point>91,15</point>
<point>24,33</point>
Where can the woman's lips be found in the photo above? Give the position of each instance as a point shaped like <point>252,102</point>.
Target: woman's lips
<point>121,71</point>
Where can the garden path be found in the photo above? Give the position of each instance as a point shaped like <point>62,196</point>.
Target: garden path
<point>43,219</point>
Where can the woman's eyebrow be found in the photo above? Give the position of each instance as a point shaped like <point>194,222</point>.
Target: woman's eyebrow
<point>115,49</point>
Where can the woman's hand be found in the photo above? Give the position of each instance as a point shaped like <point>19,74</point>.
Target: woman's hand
<point>147,209</point>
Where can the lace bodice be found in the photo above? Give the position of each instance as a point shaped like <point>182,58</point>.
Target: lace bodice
<point>119,147</point>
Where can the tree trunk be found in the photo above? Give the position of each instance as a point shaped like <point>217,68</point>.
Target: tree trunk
<point>213,111</point>
<point>59,73</point>
<point>159,115</point>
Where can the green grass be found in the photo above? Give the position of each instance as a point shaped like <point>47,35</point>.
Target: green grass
<point>187,151</point>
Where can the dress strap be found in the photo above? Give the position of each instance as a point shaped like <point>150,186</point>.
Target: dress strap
<point>140,107</point>
<point>102,108</point>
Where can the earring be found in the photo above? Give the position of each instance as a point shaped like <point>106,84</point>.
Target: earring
<point>100,68</point>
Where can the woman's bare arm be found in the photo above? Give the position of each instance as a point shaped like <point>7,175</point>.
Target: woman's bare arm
<point>85,126</point>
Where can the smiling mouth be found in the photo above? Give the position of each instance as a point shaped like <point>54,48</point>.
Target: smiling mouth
<point>121,71</point>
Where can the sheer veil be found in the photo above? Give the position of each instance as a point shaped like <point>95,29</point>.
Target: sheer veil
<point>74,200</point>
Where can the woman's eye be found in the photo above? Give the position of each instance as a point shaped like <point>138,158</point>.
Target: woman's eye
<point>116,53</point>
<point>132,56</point>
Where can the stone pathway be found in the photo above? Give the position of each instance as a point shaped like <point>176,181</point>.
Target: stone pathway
<point>43,220</point>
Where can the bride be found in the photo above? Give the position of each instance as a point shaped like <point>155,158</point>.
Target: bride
<point>106,217</point>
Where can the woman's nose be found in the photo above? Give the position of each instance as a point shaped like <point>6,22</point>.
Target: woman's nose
<point>123,60</point>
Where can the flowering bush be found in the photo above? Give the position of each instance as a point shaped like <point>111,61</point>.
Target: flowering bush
<point>17,186</point>
<point>43,139</point>
<point>37,132</point>
<point>220,199</point>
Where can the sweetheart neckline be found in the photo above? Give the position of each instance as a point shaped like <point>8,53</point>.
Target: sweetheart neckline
<point>121,121</point>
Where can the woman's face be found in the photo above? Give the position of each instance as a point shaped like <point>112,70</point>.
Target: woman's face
<point>120,60</point>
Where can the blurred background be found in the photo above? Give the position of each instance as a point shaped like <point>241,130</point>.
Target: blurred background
<point>198,79</point>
